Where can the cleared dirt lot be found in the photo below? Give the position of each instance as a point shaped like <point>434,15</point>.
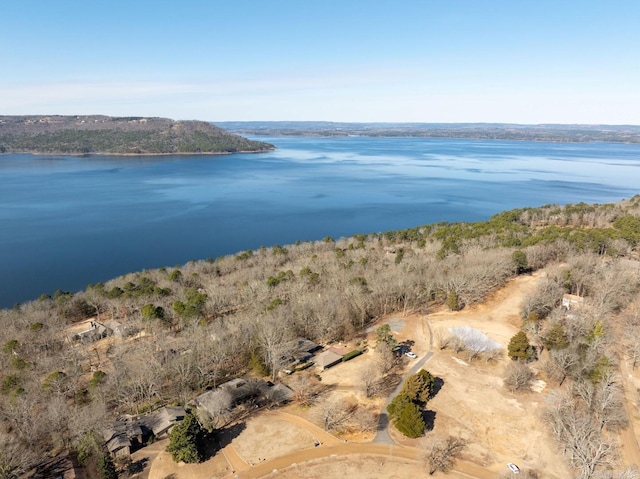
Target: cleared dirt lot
<point>267,439</point>
<point>473,404</point>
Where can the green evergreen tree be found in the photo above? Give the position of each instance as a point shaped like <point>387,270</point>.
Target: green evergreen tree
<point>453,302</point>
<point>420,387</point>
<point>106,467</point>
<point>397,405</point>
<point>184,440</point>
<point>519,347</point>
<point>556,338</point>
<point>597,332</point>
<point>383,335</point>
<point>410,421</point>
<point>520,262</point>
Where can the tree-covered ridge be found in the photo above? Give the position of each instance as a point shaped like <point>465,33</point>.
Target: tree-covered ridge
<point>117,135</point>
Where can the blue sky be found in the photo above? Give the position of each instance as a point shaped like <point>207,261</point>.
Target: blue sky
<point>515,61</point>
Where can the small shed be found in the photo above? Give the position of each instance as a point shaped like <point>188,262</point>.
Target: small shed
<point>328,358</point>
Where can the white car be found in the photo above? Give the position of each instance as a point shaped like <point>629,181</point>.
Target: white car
<point>513,468</point>
<point>411,354</point>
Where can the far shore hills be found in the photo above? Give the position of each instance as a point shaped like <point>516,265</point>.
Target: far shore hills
<point>468,131</point>
<point>133,136</point>
<point>98,134</point>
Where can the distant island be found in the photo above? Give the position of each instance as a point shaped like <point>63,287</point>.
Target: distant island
<point>97,134</point>
<point>468,131</point>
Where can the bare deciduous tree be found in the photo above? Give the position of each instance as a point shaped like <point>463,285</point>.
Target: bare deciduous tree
<point>518,376</point>
<point>365,419</point>
<point>305,388</point>
<point>333,414</point>
<point>385,359</point>
<point>274,337</point>
<point>441,453</point>
<point>579,435</point>
<point>370,379</point>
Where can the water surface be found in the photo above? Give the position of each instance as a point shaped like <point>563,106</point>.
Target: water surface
<point>66,222</point>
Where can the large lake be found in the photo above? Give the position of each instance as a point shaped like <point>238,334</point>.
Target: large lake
<point>66,222</point>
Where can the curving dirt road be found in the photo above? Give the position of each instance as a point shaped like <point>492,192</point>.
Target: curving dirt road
<point>332,446</point>
<point>630,446</point>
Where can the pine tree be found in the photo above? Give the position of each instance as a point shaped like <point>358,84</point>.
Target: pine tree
<point>556,337</point>
<point>519,347</point>
<point>410,423</point>
<point>106,467</point>
<point>520,262</point>
<point>420,387</point>
<point>397,405</point>
<point>453,302</point>
<point>184,440</point>
<point>384,335</point>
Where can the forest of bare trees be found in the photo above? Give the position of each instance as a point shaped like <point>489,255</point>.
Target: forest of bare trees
<point>189,328</point>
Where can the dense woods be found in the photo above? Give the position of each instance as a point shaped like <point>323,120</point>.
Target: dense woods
<point>191,327</point>
<point>117,135</point>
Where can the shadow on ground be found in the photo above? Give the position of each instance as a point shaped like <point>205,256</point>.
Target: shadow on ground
<point>429,418</point>
<point>138,466</point>
<point>223,437</point>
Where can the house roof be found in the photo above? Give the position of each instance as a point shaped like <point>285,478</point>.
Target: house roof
<point>327,358</point>
<point>159,421</point>
<point>224,397</point>
<point>119,434</point>
<point>113,325</point>
<point>227,395</point>
<point>118,442</point>
<point>305,345</point>
<point>573,298</point>
<point>279,393</point>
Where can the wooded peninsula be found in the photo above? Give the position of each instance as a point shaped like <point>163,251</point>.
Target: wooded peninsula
<point>144,345</point>
<point>97,134</point>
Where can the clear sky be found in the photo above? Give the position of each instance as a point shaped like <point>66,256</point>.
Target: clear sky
<point>521,61</point>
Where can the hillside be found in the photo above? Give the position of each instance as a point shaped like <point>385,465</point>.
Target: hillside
<point>165,336</point>
<point>79,135</point>
<point>468,131</point>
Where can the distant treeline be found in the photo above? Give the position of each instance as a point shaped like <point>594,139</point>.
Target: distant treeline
<point>117,135</point>
<point>470,131</point>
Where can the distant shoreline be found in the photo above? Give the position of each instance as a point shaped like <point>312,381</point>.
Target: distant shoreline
<point>578,134</point>
<point>585,142</point>
<point>98,153</point>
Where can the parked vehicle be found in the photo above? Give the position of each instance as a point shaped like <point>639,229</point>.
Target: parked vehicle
<point>411,354</point>
<point>513,468</point>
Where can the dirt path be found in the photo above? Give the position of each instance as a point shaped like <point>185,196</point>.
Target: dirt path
<point>502,306</point>
<point>334,447</point>
<point>630,447</point>
<point>389,451</point>
<point>146,456</point>
<point>322,436</point>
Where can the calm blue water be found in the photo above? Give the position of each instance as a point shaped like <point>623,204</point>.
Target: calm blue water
<point>66,222</point>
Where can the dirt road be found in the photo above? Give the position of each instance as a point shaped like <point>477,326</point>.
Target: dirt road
<point>334,447</point>
<point>630,446</point>
<point>326,452</point>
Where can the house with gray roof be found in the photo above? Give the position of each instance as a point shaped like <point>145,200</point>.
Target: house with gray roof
<point>328,358</point>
